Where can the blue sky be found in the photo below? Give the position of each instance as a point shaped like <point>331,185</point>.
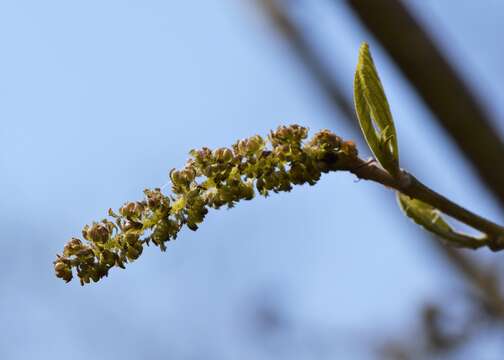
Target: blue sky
<point>99,100</point>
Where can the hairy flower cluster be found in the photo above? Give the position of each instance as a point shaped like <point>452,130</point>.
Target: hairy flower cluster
<point>210,179</point>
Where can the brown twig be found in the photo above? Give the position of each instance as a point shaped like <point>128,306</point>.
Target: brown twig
<point>473,274</point>
<point>439,86</point>
<point>411,186</point>
<point>304,52</point>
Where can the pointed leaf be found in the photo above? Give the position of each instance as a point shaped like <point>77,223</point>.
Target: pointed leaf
<point>430,219</point>
<point>374,114</point>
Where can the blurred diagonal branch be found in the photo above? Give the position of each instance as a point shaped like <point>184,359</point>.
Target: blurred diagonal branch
<point>439,86</point>
<point>304,51</point>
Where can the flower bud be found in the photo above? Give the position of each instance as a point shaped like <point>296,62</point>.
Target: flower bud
<point>108,258</point>
<point>176,177</point>
<point>255,144</point>
<point>260,185</point>
<point>132,209</point>
<point>326,140</point>
<point>288,135</point>
<point>163,231</point>
<point>156,199</point>
<point>63,270</point>
<point>349,148</point>
<point>131,238</point>
<point>73,247</point>
<point>85,253</point>
<point>223,155</point>
<point>196,212</point>
<point>131,225</point>
<point>240,148</point>
<point>98,232</point>
<point>182,177</point>
<point>247,191</point>
<point>134,252</point>
<point>202,155</point>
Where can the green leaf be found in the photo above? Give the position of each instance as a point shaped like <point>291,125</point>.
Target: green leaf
<point>373,113</point>
<point>430,219</point>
